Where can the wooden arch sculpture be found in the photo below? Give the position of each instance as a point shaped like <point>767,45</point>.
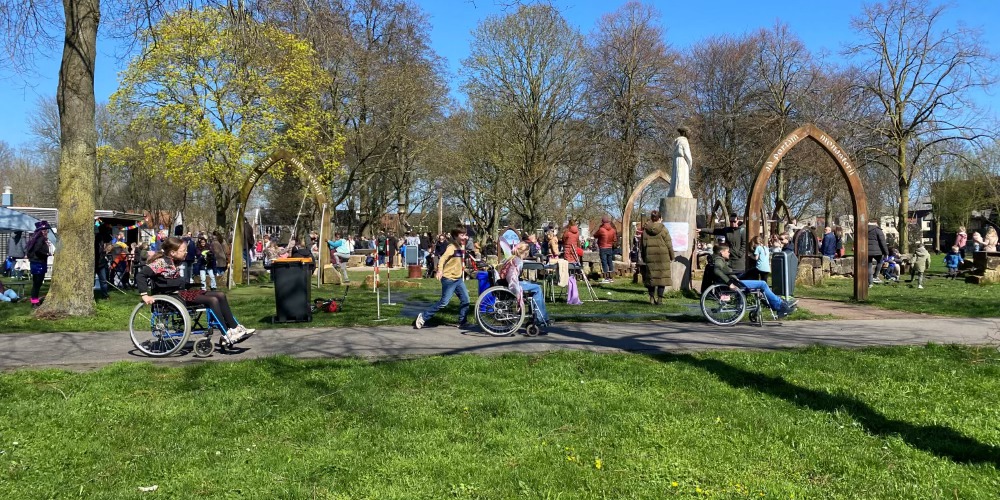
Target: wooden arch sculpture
<point>850,174</point>
<point>627,233</point>
<point>318,192</point>
<point>718,207</point>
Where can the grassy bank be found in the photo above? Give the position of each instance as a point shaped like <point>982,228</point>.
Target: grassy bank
<point>940,295</point>
<point>818,423</point>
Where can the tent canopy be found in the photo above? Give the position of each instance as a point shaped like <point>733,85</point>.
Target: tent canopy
<point>12,221</point>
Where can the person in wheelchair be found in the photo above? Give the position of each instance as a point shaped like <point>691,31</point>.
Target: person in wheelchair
<point>510,270</point>
<point>161,275</point>
<point>724,274</point>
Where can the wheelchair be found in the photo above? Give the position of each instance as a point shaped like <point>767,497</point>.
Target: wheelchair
<point>500,314</point>
<point>167,325</point>
<point>724,306</point>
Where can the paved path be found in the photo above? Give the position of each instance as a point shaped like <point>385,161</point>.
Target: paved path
<point>88,350</point>
<point>844,310</point>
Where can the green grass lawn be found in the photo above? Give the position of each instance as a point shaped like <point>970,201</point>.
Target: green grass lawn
<point>908,422</point>
<point>940,296</point>
<point>254,306</point>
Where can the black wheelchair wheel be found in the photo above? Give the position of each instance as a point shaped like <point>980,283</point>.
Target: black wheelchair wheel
<point>498,312</point>
<point>723,306</point>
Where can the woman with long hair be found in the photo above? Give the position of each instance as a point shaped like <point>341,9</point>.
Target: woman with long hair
<point>161,275</point>
<point>38,250</point>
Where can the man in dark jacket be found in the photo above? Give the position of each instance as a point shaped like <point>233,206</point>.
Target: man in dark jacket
<point>876,250</point>
<point>829,246</point>
<point>736,239</point>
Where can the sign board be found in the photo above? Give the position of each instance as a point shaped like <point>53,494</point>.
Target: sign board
<point>679,233</point>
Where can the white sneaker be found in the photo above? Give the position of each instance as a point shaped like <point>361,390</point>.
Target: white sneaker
<point>243,333</point>
<point>920,287</point>
<point>419,322</point>
<point>232,336</point>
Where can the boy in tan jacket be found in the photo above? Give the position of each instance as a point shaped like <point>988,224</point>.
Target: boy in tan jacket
<point>451,272</point>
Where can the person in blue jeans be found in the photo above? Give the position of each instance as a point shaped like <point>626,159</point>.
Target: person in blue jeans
<point>510,270</point>
<point>7,295</point>
<point>724,274</point>
<point>451,272</point>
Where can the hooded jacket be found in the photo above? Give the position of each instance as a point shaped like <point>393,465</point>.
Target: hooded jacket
<point>606,236</point>
<point>657,253</point>
<point>921,259</point>
<point>571,241</point>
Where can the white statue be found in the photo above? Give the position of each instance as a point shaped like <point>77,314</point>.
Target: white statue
<point>680,186</point>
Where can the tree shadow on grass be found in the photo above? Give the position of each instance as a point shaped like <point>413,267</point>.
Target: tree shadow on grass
<point>939,440</point>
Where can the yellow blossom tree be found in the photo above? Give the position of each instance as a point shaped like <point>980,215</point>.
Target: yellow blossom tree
<point>212,96</point>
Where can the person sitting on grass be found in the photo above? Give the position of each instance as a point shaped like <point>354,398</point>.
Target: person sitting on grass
<point>952,260</point>
<point>451,272</point>
<point>8,295</point>
<point>725,274</point>
<point>891,265</point>
<point>161,276</point>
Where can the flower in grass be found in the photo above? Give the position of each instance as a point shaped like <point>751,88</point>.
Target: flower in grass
<point>673,484</point>
<point>697,489</point>
<point>718,420</point>
<point>598,463</point>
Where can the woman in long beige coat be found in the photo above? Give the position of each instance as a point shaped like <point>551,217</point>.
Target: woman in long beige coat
<point>657,253</point>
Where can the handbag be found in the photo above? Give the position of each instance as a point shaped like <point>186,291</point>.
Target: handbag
<point>22,265</point>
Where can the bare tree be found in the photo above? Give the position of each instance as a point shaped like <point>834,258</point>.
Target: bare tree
<point>721,75</point>
<point>629,90</point>
<point>528,66</point>
<point>919,75</point>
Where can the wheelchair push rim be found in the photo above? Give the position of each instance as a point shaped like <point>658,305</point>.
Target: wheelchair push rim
<point>498,312</point>
<point>160,329</point>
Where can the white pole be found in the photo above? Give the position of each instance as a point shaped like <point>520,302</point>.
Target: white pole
<point>321,246</point>
<point>388,288</point>
<point>232,248</point>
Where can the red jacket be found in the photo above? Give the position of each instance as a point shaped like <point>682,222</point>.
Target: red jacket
<point>571,241</point>
<point>606,236</point>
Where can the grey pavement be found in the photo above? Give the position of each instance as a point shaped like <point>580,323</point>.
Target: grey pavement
<point>90,350</point>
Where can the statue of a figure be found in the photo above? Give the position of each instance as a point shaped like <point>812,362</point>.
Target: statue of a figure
<point>680,186</point>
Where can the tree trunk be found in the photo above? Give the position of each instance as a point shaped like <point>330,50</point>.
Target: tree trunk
<point>902,224</point>
<point>71,292</point>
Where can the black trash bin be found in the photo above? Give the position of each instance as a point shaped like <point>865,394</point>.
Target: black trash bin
<point>292,289</point>
<point>784,269</point>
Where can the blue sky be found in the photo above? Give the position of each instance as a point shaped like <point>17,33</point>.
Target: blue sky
<point>824,27</point>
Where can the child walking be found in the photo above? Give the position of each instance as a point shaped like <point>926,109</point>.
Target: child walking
<point>921,259</point>
<point>762,257</point>
<point>952,260</point>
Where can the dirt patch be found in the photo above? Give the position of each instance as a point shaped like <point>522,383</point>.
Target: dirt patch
<point>844,310</point>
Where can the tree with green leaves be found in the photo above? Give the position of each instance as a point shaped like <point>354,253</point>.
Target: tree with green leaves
<point>218,96</point>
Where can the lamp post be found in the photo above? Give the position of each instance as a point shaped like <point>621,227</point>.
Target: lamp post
<point>440,206</point>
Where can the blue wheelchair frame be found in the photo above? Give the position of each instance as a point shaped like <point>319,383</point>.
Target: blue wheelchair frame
<point>167,326</point>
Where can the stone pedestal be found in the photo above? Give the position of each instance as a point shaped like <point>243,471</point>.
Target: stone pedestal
<point>679,217</point>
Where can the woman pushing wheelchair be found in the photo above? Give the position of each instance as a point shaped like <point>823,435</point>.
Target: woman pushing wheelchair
<point>161,276</point>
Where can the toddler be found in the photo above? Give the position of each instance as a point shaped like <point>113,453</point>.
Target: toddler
<point>952,260</point>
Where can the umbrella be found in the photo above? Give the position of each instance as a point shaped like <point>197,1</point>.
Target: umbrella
<point>12,220</point>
